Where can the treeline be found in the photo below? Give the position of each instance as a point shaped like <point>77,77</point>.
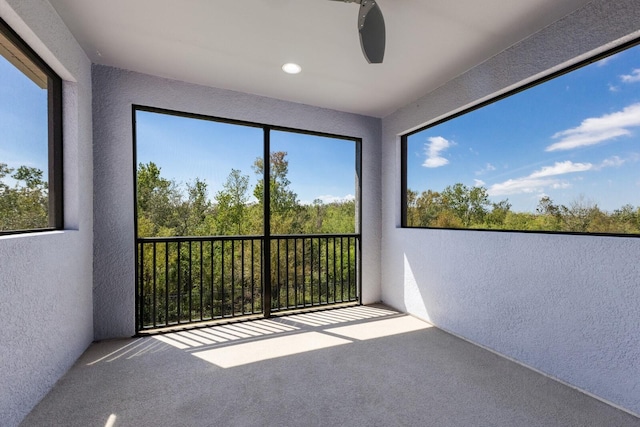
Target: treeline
<point>24,204</point>
<point>184,280</point>
<point>459,206</point>
<point>165,209</point>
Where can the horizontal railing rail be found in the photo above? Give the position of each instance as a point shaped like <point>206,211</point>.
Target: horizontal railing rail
<point>181,280</point>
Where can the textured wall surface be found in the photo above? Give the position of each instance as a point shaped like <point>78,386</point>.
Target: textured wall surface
<point>114,92</point>
<point>568,306</point>
<point>46,278</point>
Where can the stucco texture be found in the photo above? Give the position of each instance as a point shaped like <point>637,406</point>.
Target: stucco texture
<point>115,91</point>
<point>46,278</point>
<point>565,305</point>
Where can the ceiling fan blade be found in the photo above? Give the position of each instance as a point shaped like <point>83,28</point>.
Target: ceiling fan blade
<point>372,31</point>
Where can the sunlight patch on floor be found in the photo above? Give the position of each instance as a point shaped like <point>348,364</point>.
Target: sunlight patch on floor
<point>257,351</point>
<point>224,333</point>
<point>137,347</point>
<point>111,421</point>
<point>238,344</point>
<point>167,340</point>
<point>343,315</point>
<point>380,328</point>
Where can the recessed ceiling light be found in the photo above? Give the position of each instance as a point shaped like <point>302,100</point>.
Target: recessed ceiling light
<point>291,68</point>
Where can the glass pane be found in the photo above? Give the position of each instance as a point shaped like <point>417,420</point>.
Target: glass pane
<point>313,184</point>
<point>561,156</point>
<point>196,177</point>
<point>24,141</point>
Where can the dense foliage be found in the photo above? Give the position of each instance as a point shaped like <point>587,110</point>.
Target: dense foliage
<point>165,209</point>
<point>24,203</point>
<point>221,275</point>
<point>459,206</point>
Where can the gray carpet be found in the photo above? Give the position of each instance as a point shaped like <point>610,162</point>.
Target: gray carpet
<point>359,366</point>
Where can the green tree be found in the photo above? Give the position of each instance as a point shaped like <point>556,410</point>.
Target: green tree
<point>550,217</point>
<point>158,198</point>
<point>627,219</point>
<point>339,217</point>
<point>469,205</point>
<point>580,215</point>
<point>231,204</point>
<point>496,218</point>
<point>211,279</point>
<point>283,199</point>
<point>25,205</point>
<point>192,212</point>
<point>285,212</point>
<point>428,208</point>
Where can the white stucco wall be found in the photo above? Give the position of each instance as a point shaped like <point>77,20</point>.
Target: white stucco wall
<point>114,93</point>
<point>46,278</point>
<point>566,305</point>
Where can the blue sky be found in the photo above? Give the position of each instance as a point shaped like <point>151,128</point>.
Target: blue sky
<point>577,136</point>
<point>23,120</point>
<point>184,148</point>
<point>319,167</point>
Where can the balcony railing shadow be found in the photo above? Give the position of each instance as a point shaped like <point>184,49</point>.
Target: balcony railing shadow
<point>232,344</point>
<point>249,342</point>
<point>351,366</point>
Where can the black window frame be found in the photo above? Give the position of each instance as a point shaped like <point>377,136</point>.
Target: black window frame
<point>267,128</point>
<point>492,100</point>
<point>55,144</point>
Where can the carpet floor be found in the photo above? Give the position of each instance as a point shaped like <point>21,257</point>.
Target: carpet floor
<point>354,366</point>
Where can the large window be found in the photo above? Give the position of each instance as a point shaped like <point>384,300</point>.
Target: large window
<point>199,176</point>
<point>561,155</point>
<point>237,218</point>
<point>30,139</point>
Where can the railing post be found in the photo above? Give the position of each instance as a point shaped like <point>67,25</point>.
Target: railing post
<point>139,286</point>
<point>266,199</point>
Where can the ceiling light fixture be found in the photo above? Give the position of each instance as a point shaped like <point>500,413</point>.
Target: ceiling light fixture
<point>291,68</point>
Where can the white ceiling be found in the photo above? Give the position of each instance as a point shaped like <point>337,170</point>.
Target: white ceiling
<point>241,45</point>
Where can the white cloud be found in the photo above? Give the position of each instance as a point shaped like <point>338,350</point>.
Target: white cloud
<point>521,185</point>
<point>612,162</point>
<point>560,185</point>
<point>613,88</point>
<point>478,183</point>
<point>488,168</point>
<point>604,61</point>
<point>435,162</point>
<point>595,130</point>
<point>537,181</point>
<point>634,77</point>
<point>547,177</point>
<point>433,149</point>
<point>561,168</point>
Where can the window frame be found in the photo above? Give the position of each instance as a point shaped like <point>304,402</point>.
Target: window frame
<point>404,140</point>
<point>266,235</point>
<point>54,144</point>
<point>267,128</point>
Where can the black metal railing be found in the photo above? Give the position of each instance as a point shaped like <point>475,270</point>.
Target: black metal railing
<point>313,270</point>
<point>184,280</point>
